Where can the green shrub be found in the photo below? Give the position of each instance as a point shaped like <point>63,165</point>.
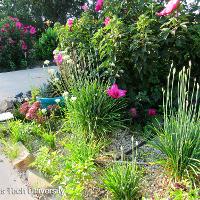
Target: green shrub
<point>18,131</point>
<point>91,112</point>
<point>46,44</point>
<point>179,140</point>
<point>79,166</point>
<point>16,41</point>
<point>123,180</point>
<point>136,42</point>
<point>48,162</point>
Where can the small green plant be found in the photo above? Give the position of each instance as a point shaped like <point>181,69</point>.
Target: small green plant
<point>91,112</point>
<point>123,178</point>
<point>10,149</point>
<point>179,139</point>
<point>123,181</point>
<point>48,162</point>
<point>18,131</point>
<point>46,44</point>
<point>79,166</point>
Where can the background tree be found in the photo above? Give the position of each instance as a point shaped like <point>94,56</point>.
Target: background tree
<point>40,10</point>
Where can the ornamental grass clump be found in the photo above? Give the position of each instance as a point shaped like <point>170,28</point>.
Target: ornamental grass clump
<point>123,179</point>
<point>179,139</point>
<point>92,112</point>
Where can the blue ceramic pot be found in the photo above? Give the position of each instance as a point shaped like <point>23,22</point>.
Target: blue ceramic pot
<point>45,102</point>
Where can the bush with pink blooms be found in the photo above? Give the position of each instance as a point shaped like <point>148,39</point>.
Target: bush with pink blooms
<point>134,45</point>
<point>16,41</point>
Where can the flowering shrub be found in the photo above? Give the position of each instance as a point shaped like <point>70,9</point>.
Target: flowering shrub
<point>133,45</point>
<point>31,112</point>
<point>16,40</point>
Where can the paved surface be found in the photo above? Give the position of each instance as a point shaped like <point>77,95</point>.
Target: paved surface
<point>11,186</point>
<point>12,83</point>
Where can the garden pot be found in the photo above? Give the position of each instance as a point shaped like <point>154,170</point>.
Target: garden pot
<point>45,102</point>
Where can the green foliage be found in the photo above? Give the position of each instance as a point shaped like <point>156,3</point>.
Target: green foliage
<point>46,44</point>
<point>18,131</point>
<point>180,194</point>
<point>48,162</point>
<point>93,112</point>
<point>123,181</point>
<point>36,10</point>
<point>137,47</point>
<point>10,149</point>
<point>179,140</point>
<point>79,166</point>
<point>12,39</point>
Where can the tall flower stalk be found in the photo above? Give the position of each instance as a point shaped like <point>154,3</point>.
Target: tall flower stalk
<point>179,140</point>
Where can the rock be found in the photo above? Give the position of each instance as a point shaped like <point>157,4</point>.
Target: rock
<point>6,116</point>
<point>24,159</point>
<point>6,105</point>
<point>37,180</point>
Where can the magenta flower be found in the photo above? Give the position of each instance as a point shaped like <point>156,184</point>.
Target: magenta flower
<point>115,92</point>
<point>99,5</point>
<point>85,7</point>
<point>7,25</point>
<point>3,30</point>
<point>107,21</point>
<point>24,46</point>
<point>32,30</point>
<point>70,22</point>
<point>14,19</point>
<point>170,7</point>
<point>152,111</point>
<point>133,112</point>
<point>58,58</point>
<point>18,25</point>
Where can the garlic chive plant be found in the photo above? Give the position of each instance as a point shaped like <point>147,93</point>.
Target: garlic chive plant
<point>123,179</point>
<point>179,139</point>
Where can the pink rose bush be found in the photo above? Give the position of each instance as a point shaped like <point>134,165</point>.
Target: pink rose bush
<point>16,42</point>
<point>170,7</point>
<point>115,92</point>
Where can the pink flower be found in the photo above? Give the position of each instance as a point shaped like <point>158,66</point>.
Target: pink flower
<point>85,7</point>
<point>58,58</point>
<point>133,112</point>
<point>32,112</point>
<point>14,19</point>
<point>3,30</point>
<point>26,27</point>
<point>99,5</point>
<point>7,25</point>
<point>11,41</point>
<point>107,21</point>
<point>170,7</point>
<point>115,92</point>
<point>24,108</point>
<point>32,30</point>
<point>24,46</point>
<point>70,22</point>
<point>152,111</point>
<point>18,25</point>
